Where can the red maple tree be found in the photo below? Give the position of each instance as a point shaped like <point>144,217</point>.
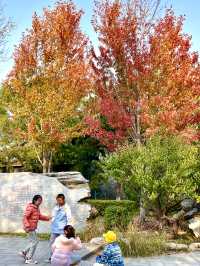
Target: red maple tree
<point>146,77</point>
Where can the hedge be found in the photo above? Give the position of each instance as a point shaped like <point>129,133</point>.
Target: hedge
<point>101,205</point>
<point>117,217</point>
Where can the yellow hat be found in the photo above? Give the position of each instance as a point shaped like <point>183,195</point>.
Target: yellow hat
<point>110,237</point>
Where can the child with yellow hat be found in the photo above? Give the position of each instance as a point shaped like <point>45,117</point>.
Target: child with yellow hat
<point>112,255</point>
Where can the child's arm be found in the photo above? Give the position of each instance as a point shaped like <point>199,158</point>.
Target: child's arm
<point>77,244</point>
<point>44,217</point>
<point>53,215</point>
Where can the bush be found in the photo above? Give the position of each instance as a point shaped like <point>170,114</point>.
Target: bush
<point>101,205</point>
<point>160,173</point>
<point>142,244</point>
<point>117,217</point>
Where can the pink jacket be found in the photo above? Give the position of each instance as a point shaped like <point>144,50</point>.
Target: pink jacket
<point>66,245</point>
<point>31,217</point>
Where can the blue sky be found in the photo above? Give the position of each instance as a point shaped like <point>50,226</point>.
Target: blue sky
<point>20,11</point>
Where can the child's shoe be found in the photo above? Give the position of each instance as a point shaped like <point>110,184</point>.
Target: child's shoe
<point>48,260</point>
<point>27,261</point>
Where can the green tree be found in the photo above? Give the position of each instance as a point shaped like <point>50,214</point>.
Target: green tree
<point>23,154</point>
<point>164,169</point>
<point>81,154</point>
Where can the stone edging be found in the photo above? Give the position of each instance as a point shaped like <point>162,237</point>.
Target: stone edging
<point>179,247</point>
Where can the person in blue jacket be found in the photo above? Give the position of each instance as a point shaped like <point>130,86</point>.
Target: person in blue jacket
<point>112,255</point>
<point>61,216</point>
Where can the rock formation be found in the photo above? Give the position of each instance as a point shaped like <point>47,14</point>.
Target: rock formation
<point>17,189</point>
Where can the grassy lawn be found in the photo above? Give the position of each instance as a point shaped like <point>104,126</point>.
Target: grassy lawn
<point>23,235</point>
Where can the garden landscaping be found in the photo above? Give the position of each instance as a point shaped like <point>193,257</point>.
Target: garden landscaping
<point>9,256</point>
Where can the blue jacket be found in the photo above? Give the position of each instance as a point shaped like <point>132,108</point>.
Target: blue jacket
<point>60,218</point>
<point>111,255</point>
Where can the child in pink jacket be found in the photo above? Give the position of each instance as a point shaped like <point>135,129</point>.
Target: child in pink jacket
<point>63,247</point>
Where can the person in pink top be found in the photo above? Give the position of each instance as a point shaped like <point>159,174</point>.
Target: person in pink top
<point>63,247</point>
<point>31,218</point>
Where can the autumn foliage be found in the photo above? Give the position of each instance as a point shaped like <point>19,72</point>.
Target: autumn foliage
<point>147,78</point>
<point>49,80</point>
<point>143,80</point>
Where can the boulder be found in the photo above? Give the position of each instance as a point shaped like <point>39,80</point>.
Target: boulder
<point>17,189</point>
<point>194,246</point>
<point>194,225</point>
<point>70,179</point>
<point>191,214</point>
<point>187,204</point>
<point>176,247</point>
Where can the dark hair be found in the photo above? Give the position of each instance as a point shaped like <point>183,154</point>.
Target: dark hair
<point>60,196</point>
<point>35,198</point>
<point>69,231</point>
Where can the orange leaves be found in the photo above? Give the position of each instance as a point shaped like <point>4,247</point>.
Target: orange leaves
<point>178,77</point>
<point>54,40</point>
<point>50,77</point>
<point>143,80</point>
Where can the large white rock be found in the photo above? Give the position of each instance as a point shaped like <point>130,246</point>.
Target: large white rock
<point>17,189</point>
<point>175,246</point>
<point>194,225</point>
<point>194,246</point>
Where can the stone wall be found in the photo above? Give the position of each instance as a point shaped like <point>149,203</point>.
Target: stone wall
<point>17,189</point>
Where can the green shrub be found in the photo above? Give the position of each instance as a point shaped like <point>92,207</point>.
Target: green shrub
<point>101,205</point>
<point>160,174</point>
<point>117,217</point>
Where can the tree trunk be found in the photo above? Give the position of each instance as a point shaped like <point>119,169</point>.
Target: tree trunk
<point>136,136</point>
<point>46,162</point>
<point>159,210</point>
<point>142,208</point>
<point>137,123</point>
<point>119,191</point>
<point>138,140</point>
<point>50,162</point>
<point>44,165</point>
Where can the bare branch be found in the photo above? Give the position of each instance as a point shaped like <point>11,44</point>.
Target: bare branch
<point>5,27</point>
